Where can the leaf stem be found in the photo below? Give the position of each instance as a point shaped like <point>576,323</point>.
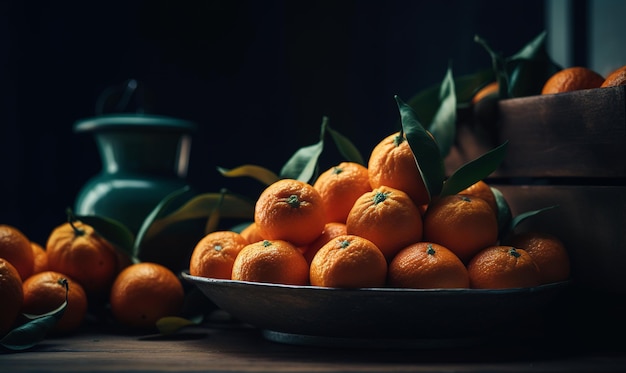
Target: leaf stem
<point>71,219</point>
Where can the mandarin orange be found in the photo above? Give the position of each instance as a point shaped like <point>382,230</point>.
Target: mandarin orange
<point>427,265</point>
<point>46,291</point>
<point>251,233</point>
<point>482,190</point>
<point>290,210</point>
<point>78,251</point>
<point>15,248</point>
<point>503,267</point>
<point>348,261</point>
<point>491,89</point>
<point>547,251</point>
<point>11,295</point>
<point>616,78</point>
<point>145,292</point>
<point>340,186</point>
<point>387,217</point>
<point>331,230</point>
<point>40,256</point>
<point>393,164</point>
<point>214,255</point>
<point>461,223</point>
<point>572,79</point>
<point>271,261</point>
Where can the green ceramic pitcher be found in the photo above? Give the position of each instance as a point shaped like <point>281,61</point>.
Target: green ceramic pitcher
<point>144,158</point>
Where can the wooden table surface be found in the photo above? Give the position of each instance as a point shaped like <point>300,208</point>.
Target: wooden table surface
<point>232,347</point>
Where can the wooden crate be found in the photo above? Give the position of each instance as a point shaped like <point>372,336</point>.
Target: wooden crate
<point>590,220</point>
<point>569,150</point>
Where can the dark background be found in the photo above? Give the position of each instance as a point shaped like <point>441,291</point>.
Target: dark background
<point>256,76</point>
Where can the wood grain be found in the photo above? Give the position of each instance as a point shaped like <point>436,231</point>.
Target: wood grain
<point>242,349</point>
<point>575,134</point>
<point>590,220</point>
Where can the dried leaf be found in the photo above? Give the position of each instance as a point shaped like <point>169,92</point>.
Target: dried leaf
<point>172,324</point>
<point>259,173</point>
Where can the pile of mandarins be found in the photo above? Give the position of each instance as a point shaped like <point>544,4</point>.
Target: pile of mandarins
<point>570,79</point>
<point>376,225</point>
<point>80,266</point>
<point>356,226</point>
<point>362,226</point>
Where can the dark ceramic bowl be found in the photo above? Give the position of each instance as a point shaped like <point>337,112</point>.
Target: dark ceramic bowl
<point>295,314</point>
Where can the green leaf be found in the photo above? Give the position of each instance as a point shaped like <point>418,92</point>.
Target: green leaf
<point>154,214</point>
<point>521,217</point>
<point>529,68</point>
<point>259,173</point>
<point>426,102</point>
<point>35,330</point>
<point>202,206</point>
<point>532,49</point>
<point>424,148</point>
<point>497,64</point>
<point>504,213</point>
<point>346,147</point>
<point>303,163</point>
<point>475,170</point>
<point>111,230</point>
<point>524,73</point>
<point>443,125</point>
<point>171,324</point>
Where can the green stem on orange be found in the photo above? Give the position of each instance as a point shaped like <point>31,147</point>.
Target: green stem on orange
<point>64,282</point>
<point>71,219</point>
<point>293,201</point>
<point>380,197</point>
<point>514,252</point>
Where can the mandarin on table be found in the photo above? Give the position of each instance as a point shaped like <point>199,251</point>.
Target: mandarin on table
<point>393,164</point>
<point>547,251</point>
<point>461,223</point>
<point>340,186</point>
<point>427,265</point>
<point>572,79</point>
<point>40,256</point>
<point>349,261</point>
<point>290,210</point>
<point>11,295</point>
<point>77,250</point>
<point>331,230</point>
<point>145,292</point>
<point>214,255</point>
<point>271,261</point>
<point>387,217</point>
<point>45,291</point>
<point>615,78</point>
<point>503,267</point>
<point>15,248</point>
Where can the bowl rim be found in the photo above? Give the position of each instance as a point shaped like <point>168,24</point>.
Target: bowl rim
<point>207,280</point>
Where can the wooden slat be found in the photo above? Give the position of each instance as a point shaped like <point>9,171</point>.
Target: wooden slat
<point>575,134</point>
<point>590,220</point>
<point>207,349</point>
